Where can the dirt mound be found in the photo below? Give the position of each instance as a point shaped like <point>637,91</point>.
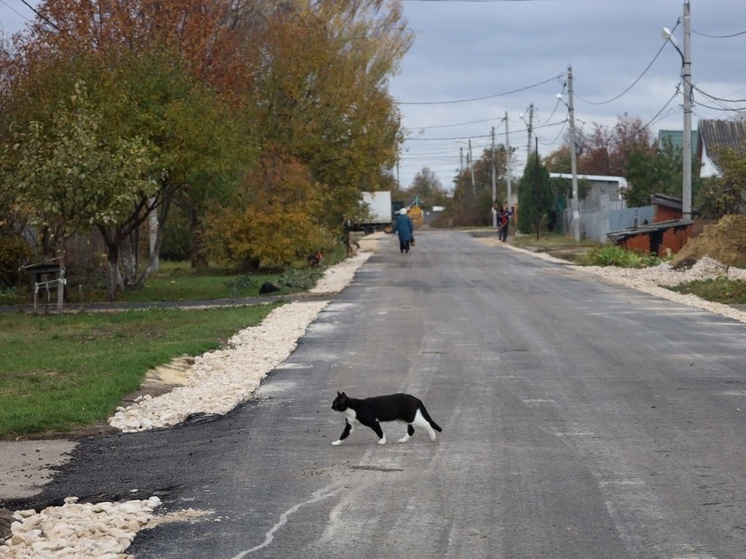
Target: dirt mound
<point>724,241</point>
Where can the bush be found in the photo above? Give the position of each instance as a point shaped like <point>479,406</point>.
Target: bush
<point>14,252</point>
<point>239,285</point>
<point>299,279</point>
<point>612,255</point>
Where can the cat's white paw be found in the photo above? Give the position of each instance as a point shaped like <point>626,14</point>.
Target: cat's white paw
<point>336,443</point>
<point>404,439</point>
<point>382,441</point>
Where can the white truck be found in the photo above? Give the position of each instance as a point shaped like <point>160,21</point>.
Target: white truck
<point>379,217</point>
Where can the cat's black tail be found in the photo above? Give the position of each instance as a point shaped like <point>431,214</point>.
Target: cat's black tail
<point>429,419</point>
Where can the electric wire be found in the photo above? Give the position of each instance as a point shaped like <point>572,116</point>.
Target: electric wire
<point>719,36</point>
<point>40,15</point>
<point>718,98</point>
<point>557,137</point>
<point>13,9</point>
<point>480,98</point>
<point>547,125</point>
<point>452,125</point>
<point>652,120</point>
<point>634,83</point>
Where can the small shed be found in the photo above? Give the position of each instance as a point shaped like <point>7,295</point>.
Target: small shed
<point>654,238</point>
<point>668,232</point>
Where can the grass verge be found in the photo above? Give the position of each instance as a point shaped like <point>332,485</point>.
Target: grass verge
<point>60,373</point>
<point>719,290</point>
<point>175,281</point>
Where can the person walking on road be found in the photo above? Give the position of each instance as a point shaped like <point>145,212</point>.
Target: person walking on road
<point>404,228</point>
<point>503,222</point>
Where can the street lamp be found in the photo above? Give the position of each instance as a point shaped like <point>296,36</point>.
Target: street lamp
<point>573,157</point>
<point>686,74</point>
<point>471,167</point>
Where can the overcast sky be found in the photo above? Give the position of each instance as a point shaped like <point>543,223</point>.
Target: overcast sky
<point>473,61</point>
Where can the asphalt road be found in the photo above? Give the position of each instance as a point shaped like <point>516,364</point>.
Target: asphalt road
<point>580,420</point>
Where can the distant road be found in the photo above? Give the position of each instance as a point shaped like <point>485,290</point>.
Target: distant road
<point>580,419</point>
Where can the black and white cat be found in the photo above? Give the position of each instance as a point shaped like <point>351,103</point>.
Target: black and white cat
<point>372,411</point>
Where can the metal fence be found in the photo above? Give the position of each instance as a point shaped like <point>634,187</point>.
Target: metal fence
<point>596,222</point>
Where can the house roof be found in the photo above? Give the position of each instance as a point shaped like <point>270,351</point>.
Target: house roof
<point>666,201</point>
<point>647,229</point>
<point>720,133</point>
<point>621,181</point>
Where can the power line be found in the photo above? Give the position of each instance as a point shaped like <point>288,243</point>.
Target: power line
<point>40,15</point>
<point>16,11</point>
<point>650,122</point>
<point>634,83</point>
<point>719,36</point>
<point>547,125</point>
<point>718,98</point>
<point>452,125</point>
<point>481,98</point>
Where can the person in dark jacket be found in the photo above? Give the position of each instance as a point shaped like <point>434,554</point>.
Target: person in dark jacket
<point>503,223</point>
<point>404,228</point>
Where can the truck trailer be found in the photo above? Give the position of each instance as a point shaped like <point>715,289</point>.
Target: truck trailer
<point>379,212</point>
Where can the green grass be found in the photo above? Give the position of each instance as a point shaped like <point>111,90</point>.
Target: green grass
<point>612,255</point>
<point>177,281</point>
<point>58,373</point>
<point>720,290</point>
<point>551,241</point>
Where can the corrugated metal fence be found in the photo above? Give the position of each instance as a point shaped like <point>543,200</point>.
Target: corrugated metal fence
<point>595,223</point>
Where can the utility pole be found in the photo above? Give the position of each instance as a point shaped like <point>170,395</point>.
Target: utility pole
<point>573,160</point>
<point>530,125</point>
<point>471,166</point>
<point>507,162</point>
<point>494,180</point>
<point>686,202</point>
<point>686,74</point>
<point>537,222</point>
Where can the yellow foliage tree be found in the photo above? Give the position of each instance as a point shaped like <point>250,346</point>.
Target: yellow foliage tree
<point>275,222</point>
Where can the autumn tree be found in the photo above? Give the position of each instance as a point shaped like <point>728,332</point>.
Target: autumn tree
<point>147,100</point>
<point>249,232</point>
<point>426,186</point>
<point>473,202</point>
<point>320,84</point>
<point>724,194</point>
<point>73,172</point>
<point>627,149</point>
<point>211,84</point>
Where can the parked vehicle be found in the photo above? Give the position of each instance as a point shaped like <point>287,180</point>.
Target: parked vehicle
<point>379,209</point>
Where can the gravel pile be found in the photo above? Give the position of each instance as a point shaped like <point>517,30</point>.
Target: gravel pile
<point>77,530</point>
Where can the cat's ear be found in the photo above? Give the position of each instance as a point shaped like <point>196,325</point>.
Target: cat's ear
<point>339,393</point>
